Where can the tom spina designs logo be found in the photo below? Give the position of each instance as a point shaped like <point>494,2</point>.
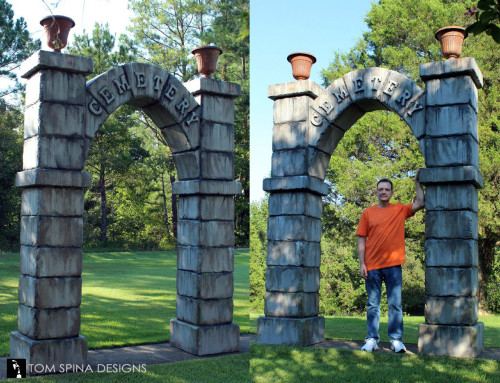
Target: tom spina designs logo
<point>16,368</point>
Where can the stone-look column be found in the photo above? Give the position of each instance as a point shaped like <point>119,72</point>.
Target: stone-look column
<point>294,225</point>
<point>205,240</point>
<point>452,178</point>
<point>52,209</point>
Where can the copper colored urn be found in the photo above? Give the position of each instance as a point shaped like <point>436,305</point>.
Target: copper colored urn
<point>206,58</point>
<point>57,28</point>
<point>301,64</point>
<point>451,39</point>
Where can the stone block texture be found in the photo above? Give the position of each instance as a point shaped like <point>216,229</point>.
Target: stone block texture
<point>205,285</point>
<point>50,352</point>
<point>205,259</point>
<point>451,253</point>
<point>204,312</point>
<point>451,310</point>
<point>292,279</point>
<point>451,281</point>
<point>291,331</point>
<point>48,323</point>
<point>457,341</point>
<point>293,253</point>
<point>296,305</point>
<point>204,340</point>
<point>452,179</point>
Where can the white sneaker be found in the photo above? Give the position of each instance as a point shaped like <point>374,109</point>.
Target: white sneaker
<point>397,346</point>
<point>370,345</point>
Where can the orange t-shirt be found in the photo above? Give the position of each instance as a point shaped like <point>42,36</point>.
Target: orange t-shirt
<point>384,229</point>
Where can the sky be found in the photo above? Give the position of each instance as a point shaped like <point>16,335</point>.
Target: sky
<point>277,28</point>
<point>85,13</point>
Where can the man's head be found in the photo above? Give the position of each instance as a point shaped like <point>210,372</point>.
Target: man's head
<point>384,190</point>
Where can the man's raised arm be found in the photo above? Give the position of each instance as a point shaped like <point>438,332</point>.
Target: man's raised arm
<point>419,203</point>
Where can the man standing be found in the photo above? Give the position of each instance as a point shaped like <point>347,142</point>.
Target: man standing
<point>381,252</point>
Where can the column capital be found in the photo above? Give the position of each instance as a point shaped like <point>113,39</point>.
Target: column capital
<point>294,89</point>
<point>202,85</point>
<point>206,187</point>
<point>59,61</point>
<point>455,174</point>
<point>464,66</point>
<point>305,183</point>
<point>52,177</point>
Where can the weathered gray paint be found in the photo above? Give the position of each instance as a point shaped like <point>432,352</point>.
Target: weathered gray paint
<point>63,114</point>
<point>309,122</point>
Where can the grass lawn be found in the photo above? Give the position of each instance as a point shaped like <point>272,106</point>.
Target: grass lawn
<point>287,364</point>
<point>354,328</point>
<point>127,297</point>
<point>227,368</point>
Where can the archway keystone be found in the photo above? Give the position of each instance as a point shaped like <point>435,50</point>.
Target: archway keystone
<point>309,121</point>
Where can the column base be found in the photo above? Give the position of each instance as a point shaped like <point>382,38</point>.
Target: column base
<point>291,331</point>
<point>48,355</point>
<point>457,341</point>
<point>204,340</point>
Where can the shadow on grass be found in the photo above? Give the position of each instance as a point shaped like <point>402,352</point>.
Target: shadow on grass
<point>111,322</point>
<point>350,328</point>
<point>281,364</point>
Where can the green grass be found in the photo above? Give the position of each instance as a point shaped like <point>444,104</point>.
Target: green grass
<point>127,297</point>
<point>354,328</point>
<point>287,364</point>
<point>294,364</point>
<point>227,368</point>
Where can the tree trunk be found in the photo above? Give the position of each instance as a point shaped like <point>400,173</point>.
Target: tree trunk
<point>165,210</point>
<point>174,207</point>
<point>104,208</point>
<point>243,67</point>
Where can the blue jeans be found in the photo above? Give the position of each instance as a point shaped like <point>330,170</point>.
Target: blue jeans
<point>392,276</point>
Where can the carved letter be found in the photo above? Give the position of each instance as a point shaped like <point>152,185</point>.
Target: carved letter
<point>358,84</point>
<point>317,120</point>
<point>170,93</point>
<point>95,107</point>
<point>416,106</point>
<point>121,86</point>
<point>192,118</point>
<point>374,81</point>
<point>390,88</point>
<point>157,82</point>
<point>404,97</point>
<point>184,104</point>
<point>341,94</point>
<point>108,97</point>
<point>326,107</point>
<point>140,79</point>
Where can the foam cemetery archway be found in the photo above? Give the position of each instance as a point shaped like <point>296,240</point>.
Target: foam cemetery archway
<point>309,121</point>
<point>63,114</point>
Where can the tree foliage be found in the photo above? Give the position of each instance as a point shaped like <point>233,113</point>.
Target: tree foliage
<point>487,15</point>
<point>16,44</point>
<point>166,31</point>
<point>11,153</point>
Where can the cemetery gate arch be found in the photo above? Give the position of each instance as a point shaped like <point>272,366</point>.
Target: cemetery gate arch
<point>63,114</point>
<point>309,121</point>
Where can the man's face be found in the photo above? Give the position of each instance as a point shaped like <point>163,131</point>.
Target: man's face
<point>384,192</point>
